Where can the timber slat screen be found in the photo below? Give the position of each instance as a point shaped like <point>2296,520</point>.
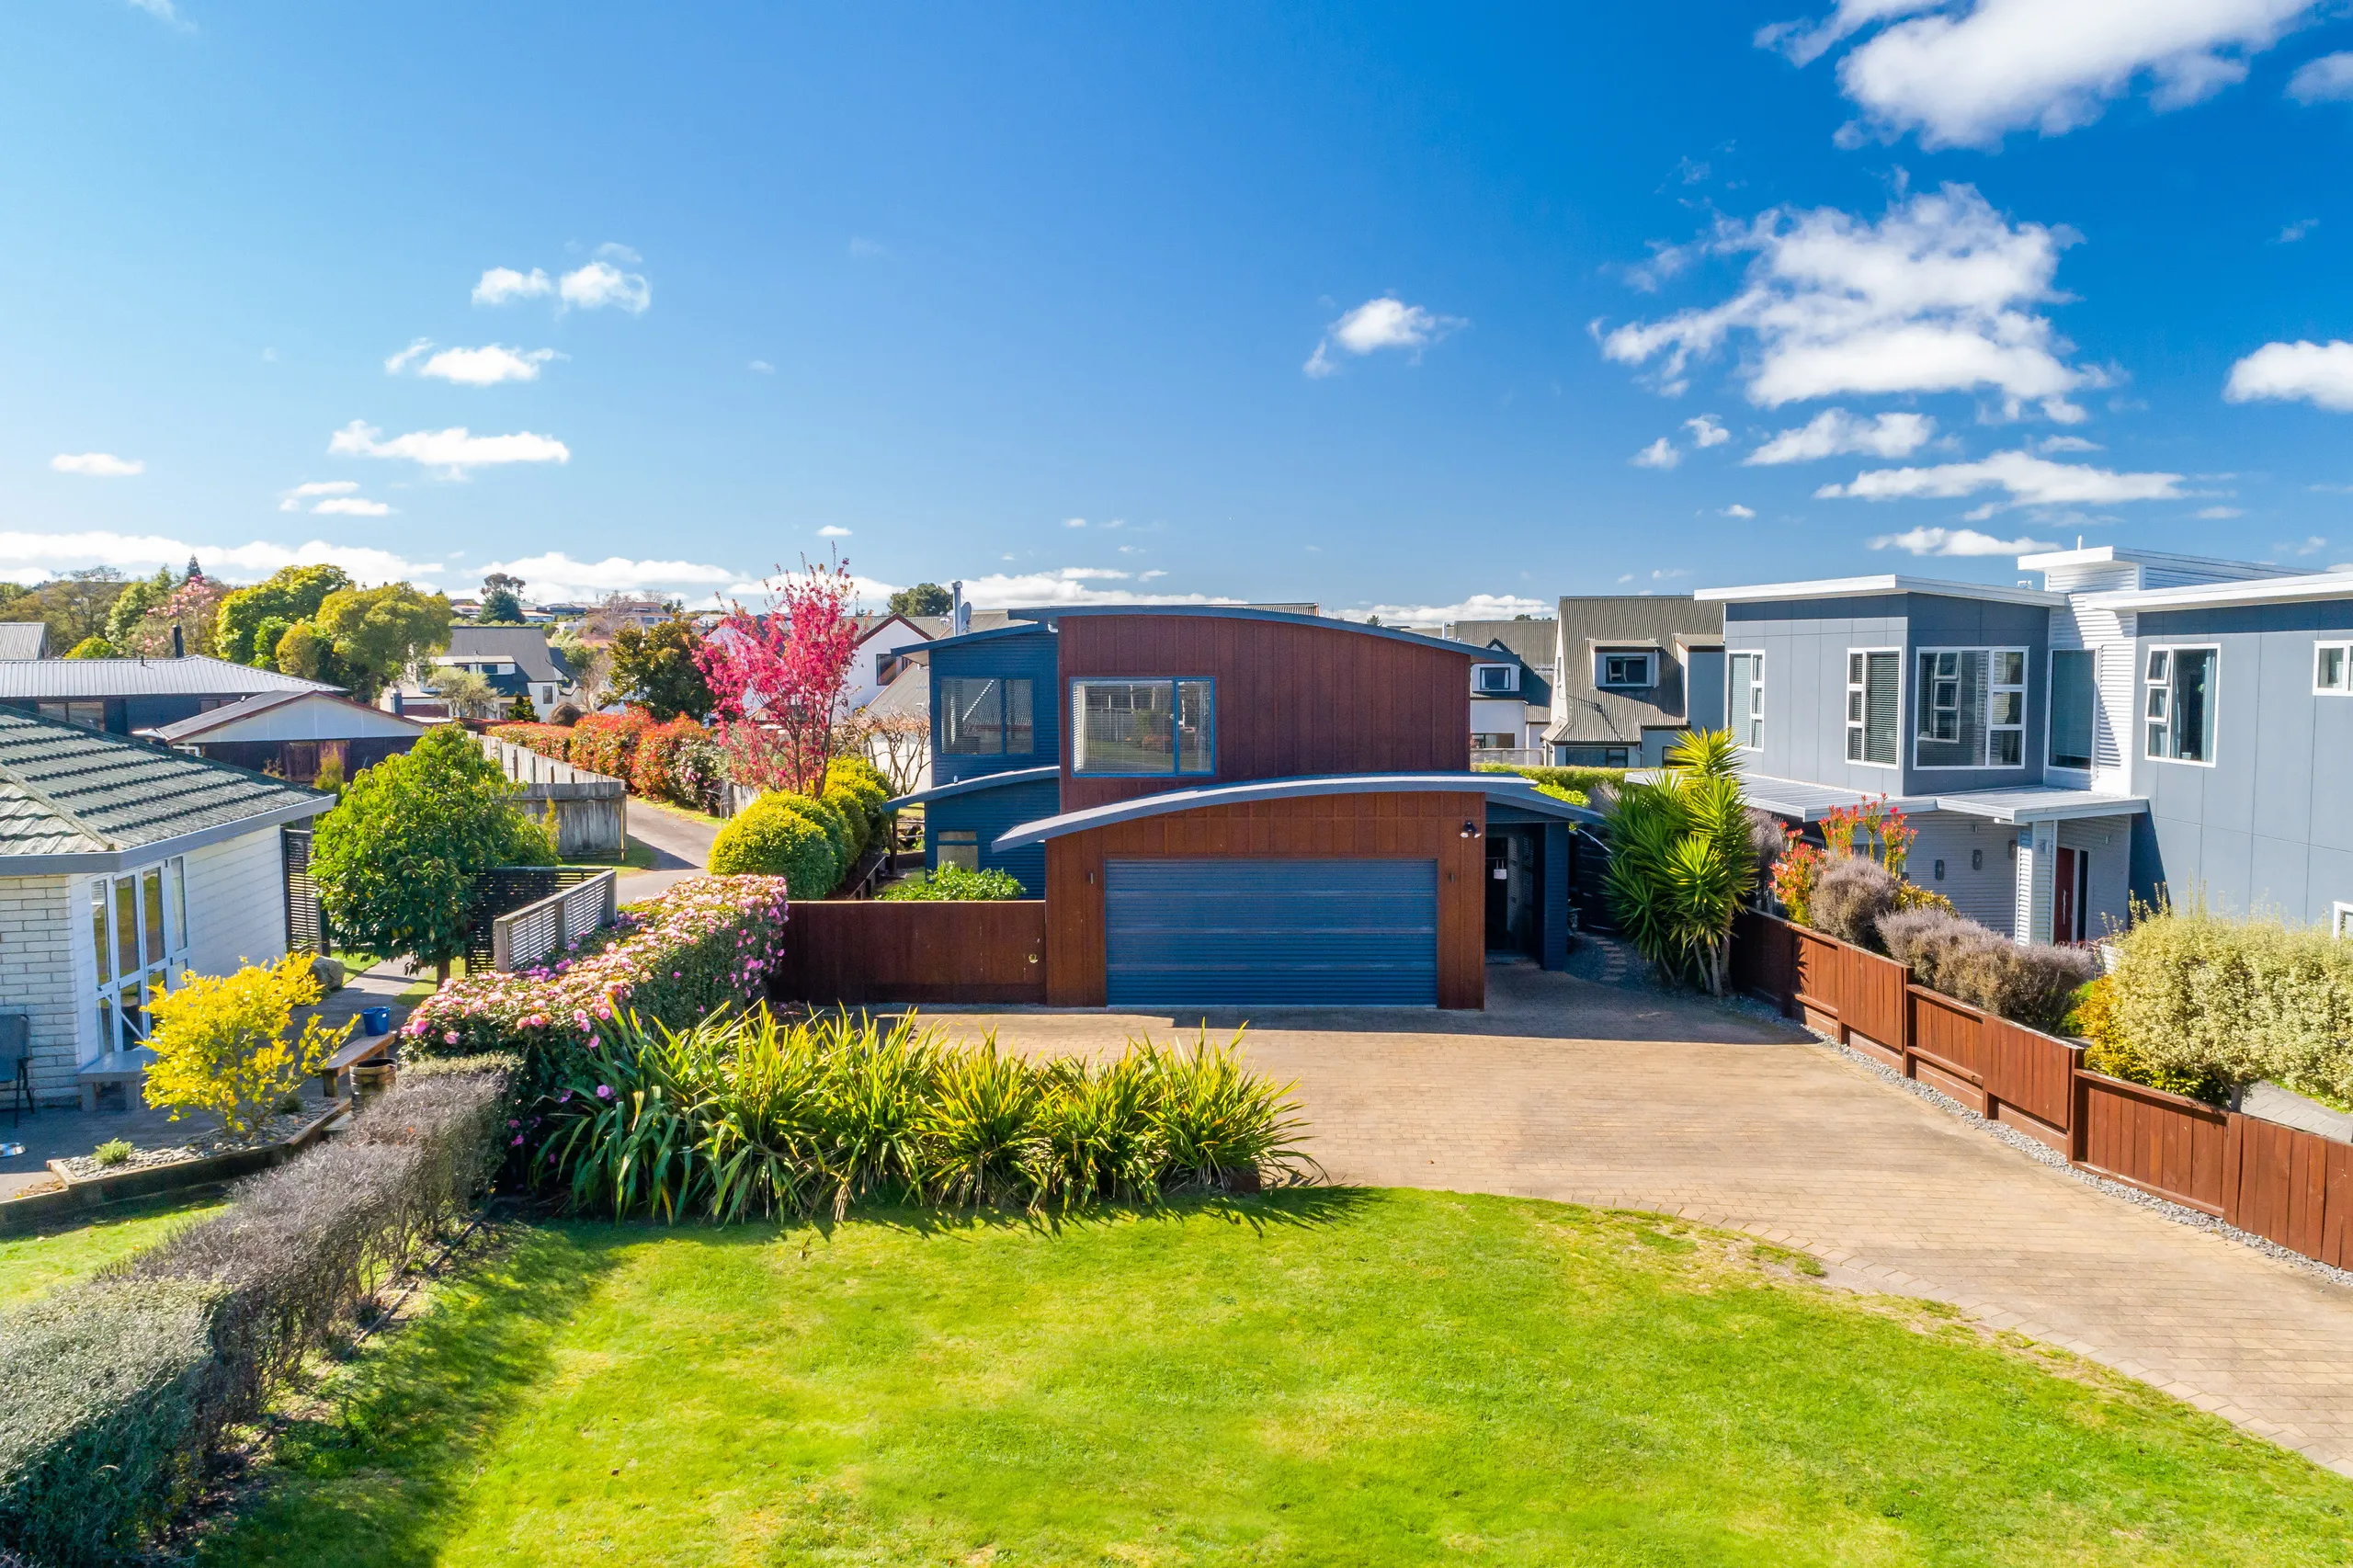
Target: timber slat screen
<point>501,889</point>
<point>306,920</point>
<point>2281,1183</point>
<point>860,950</point>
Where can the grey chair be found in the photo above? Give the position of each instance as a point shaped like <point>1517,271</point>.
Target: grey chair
<point>17,1065</point>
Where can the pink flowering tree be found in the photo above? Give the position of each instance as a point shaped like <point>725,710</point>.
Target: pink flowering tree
<point>779,679</point>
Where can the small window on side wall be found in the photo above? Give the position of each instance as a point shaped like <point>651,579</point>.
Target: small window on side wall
<point>1631,670</point>
<point>2333,669</point>
<point>987,716</point>
<point>2177,708</point>
<point>1495,679</point>
<point>958,846</point>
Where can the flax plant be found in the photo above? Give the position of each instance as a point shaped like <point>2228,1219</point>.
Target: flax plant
<point>1681,860</point>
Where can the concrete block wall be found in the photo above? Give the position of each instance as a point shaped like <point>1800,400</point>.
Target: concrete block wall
<point>44,929</point>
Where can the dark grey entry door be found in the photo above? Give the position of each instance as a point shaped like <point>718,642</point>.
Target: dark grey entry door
<point>1270,933</point>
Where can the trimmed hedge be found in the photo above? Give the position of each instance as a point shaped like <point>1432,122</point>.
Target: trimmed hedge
<point>2031,983</point>
<point>700,946</point>
<point>777,836</point>
<point>114,1393</point>
<point>2201,996</point>
<point>680,762</point>
<point>1574,785</point>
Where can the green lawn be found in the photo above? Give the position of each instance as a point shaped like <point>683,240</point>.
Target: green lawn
<point>1313,1378</point>
<point>35,1264</point>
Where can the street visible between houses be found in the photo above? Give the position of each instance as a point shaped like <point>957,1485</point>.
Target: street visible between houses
<point>1615,1096</point>
<point>681,845</point>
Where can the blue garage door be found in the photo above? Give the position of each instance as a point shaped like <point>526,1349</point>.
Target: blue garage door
<point>1270,933</point>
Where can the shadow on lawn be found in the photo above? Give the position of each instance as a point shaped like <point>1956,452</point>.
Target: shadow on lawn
<point>377,1475</point>
<point>1287,1208</point>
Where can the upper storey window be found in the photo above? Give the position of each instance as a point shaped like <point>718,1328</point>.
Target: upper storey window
<point>1972,706</point>
<point>1627,671</point>
<point>989,717</point>
<point>1494,680</point>
<point>2178,707</point>
<point>1142,727</point>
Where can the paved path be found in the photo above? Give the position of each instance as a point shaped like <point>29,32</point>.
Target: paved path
<point>1621,1098</point>
<point>681,848</point>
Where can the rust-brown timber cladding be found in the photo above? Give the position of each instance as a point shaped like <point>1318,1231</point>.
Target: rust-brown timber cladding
<point>1370,826</point>
<point>1292,698</point>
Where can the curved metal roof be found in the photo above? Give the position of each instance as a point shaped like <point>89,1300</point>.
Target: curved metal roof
<point>1048,614</point>
<point>975,786</point>
<point>1504,787</point>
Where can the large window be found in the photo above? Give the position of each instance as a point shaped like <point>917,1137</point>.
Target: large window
<point>1971,708</point>
<point>139,936</point>
<point>1874,679</point>
<point>2073,683</point>
<point>1142,727</point>
<point>2179,704</point>
<point>1744,698</point>
<point>986,718</point>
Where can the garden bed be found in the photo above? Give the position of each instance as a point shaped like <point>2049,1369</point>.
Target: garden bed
<point>85,1183</point>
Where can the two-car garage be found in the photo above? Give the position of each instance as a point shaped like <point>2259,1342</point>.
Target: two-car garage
<point>1202,931</point>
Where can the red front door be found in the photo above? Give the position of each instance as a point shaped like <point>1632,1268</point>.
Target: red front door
<point>2064,912</point>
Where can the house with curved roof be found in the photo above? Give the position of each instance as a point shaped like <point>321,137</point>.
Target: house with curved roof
<point>1230,805</point>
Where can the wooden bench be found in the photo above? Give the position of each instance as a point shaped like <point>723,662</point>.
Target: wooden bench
<point>360,1050</point>
<point>126,1068</point>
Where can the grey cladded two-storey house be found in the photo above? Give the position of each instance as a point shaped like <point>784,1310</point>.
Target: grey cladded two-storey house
<point>2141,723</point>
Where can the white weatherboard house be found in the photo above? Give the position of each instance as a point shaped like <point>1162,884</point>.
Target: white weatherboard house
<point>124,867</point>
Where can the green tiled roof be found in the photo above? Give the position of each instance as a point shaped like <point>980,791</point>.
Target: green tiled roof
<point>68,790</point>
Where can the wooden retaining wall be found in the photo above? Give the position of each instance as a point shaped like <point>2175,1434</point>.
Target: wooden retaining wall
<point>944,952</point>
<point>2281,1183</point>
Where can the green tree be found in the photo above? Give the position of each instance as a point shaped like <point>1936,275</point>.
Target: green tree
<point>924,598</point>
<point>287,595</point>
<point>395,862</point>
<point>300,651</point>
<point>502,600</point>
<point>657,668</point>
<point>1681,859</point>
<point>377,632</point>
<point>131,605</point>
<point>72,607</point>
<point>94,648</point>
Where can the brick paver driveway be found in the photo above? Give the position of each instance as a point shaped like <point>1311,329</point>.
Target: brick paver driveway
<point>1613,1097</point>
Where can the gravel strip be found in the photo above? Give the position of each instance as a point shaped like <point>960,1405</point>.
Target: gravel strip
<point>281,1127</point>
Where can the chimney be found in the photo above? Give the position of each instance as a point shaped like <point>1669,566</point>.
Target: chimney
<point>179,643</point>
<point>959,614</point>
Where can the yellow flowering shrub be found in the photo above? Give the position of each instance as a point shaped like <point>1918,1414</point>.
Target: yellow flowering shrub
<point>221,1043</point>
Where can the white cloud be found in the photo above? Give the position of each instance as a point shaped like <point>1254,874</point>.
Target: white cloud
<point>1938,296</point>
<point>833,531</point>
<point>1384,322</point>
<point>1737,510</point>
<point>295,497</point>
<point>2219,514</point>
<point>1074,585</point>
<point>865,250</point>
<point>2030,481</point>
<point>2318,81</point>
<point>452,452</point>
<point>502,284</point>
<point>1707,431</point>
<point>484,367</point>
<point>2050,444</point>
<point>761,366</point>
<point>27,555</point>
<point>2318,373</point>
<point>96,465</point>
<point>2312,545</point>
<point>1660,453</point>
<point>352,506</point>
<point>2296,231</point>
<point>1958,541</point>
<point>601,283</point>
<point>1478,606</point>
<point>163,11</point>
<point>1964,73</point>
<point>1833,431</point>
<point>556,575</point>
<point>1074,522</point>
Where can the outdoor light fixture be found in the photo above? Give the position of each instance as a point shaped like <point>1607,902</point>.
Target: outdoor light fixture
<point>1470,830</point>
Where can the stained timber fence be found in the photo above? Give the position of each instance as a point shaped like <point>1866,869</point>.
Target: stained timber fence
<point>858,950</point>
<point>2281,1183</point>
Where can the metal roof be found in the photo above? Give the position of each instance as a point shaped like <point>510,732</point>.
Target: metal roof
<point>2218,595</point>
<point>1048,614</point>
<point>58,680</point>
<point>975,786</point>
<point>1531,642</point>
<point>2030,803</point>
<point>1585,713</point>
<point>76,799</point>
<point>23,638</point>
<point>1864,587</point>
<point>524,646</point>
<point>196,726</point>
<point>1504,787</point>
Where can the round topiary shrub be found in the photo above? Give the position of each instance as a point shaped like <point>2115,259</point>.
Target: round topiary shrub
<point>854,812</point>
<point>836,821</point>
<point>776,836</point>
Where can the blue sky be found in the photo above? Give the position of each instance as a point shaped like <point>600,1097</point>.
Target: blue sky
<point>1388,307</point>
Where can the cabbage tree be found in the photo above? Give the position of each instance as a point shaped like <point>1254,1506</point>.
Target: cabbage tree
<point>1681,860</point>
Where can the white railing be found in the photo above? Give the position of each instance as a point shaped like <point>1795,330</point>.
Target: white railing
<point>1525,756</point>
<point>525,936</point>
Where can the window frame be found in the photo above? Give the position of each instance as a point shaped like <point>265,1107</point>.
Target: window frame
<point>162,958</point>
<point>2051,711</point>
<point>1075,708</point>
<point>2149,685</point>
<point>1601,657</point>
<point>1003,708</point>
<point>962,840</point>
<point>1510,686</point>
<point>1993,652</point>
<point>1863,723</point>
<point>1751,721</point>
<point>2340,922</point>
<point>2344,687</point>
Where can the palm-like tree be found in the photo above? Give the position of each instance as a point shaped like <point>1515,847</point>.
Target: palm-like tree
<point>1680,859</point>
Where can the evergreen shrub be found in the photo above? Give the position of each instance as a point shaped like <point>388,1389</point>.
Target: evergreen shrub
<point>779,835</point>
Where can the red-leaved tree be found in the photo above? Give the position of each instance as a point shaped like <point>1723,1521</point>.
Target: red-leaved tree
<point>778,679</point>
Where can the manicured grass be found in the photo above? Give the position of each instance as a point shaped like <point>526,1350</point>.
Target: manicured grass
<point>1312,1377</point>
<point>34,1265</point>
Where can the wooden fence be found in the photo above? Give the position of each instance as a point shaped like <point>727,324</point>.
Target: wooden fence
<point>948,952</point>
<point>2281,1183</point>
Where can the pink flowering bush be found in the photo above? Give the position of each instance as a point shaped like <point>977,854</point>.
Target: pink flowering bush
<point>703,945</point>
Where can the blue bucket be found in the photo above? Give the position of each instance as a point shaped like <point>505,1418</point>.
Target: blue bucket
<point>376,1020</point>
